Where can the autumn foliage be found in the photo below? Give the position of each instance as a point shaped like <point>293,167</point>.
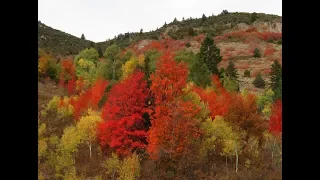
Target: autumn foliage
<point>218,100</point>
<point>156,113</point>
<point>122,128</point>
<point>249,35</point>
<point>275,122</point>
<point>68,76</point>
<point>173,124</point>
<point>244,114</point>
<point>169,79</point>
<point>269,50</point>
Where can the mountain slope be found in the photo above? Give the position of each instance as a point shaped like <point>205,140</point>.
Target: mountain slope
<point>58,42</point>
<point>61,43</point>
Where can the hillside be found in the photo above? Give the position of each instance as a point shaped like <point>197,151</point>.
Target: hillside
<point>58,42</point>
<point>61,43</point>
<point>165,104</point>
<point>191,31</point>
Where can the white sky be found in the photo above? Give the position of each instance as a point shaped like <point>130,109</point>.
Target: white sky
<point>99,20</point>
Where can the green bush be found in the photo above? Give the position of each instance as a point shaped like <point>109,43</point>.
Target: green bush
<point>279,41</point>
<point>259,82</point>
<point>246,73</point>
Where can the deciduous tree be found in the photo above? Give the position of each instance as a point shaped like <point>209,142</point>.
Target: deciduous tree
<point>123,128</point>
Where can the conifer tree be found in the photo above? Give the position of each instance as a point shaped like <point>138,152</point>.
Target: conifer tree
<point>231,71</point>
<point>210,55</point>
<point>82,36</point>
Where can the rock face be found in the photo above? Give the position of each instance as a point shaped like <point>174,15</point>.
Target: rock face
<point>143,43</point>
<point>268,26</point>
<point>261,26</point>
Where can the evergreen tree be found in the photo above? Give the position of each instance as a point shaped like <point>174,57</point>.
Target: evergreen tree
<point>203,17</point>
<point>141,31</point>
<point>253,17</point>
<point>231,71</point>
<point>222,71</point>
<point>82,36</point>
<point>229,83</point>
<point>276,79</point>
<point>147,66</point>
<point>175,20</point>
<point>210,55</point>
<point>165,24</point>
<point>100,52</point>
<point>92,45</point>
<point>224,12</point>
<point>191,31</point>
<point>259,82</point>
<point>256,53</point>
<point>182,18</point>
<point>199,73</point>
<point>276,75</point>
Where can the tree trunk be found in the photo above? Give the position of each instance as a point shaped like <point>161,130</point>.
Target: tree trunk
<point>90,149</point>
<point>226,161</point>
<point>237,159</point>
<point>74,159</point>
<point>113,175</point>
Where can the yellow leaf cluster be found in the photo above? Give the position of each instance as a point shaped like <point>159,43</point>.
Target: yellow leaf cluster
<point>141,60</point>
<point>129,67</point>
<point>43,65</point>
<point>87,125</point>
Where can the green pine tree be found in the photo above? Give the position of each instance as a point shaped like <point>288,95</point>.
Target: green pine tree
<point>199,73</point>
<point>231,71</point>
<point>210,55</point>
<point>100,52</point>
<point>82,36</point>
<point>256,53</point>
<point>204,17</point>
<point>276,79</point>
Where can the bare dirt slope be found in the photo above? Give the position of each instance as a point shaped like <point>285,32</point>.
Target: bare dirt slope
<point>46,90</point>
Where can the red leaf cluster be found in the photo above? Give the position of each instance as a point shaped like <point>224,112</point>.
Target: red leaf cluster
<point>169,79</point>
<point>251,32</point>
<point>173,128</point>
<point>174,124</point>
<point>219,101</point>
<point>123,128</point>
<point>275,121</point>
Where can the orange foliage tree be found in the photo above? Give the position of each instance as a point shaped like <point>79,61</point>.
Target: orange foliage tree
<point>218,100</point>
<point>243,113</point>
<point>173,124</point>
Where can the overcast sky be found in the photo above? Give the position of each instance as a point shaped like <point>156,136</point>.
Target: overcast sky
<point>99,20</point>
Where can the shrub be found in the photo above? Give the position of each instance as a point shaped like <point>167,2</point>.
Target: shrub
<point>279,41</point>
<point>188,44</point>
<point>246,73</point>
<point>259,82</point>
<point>256,53</point>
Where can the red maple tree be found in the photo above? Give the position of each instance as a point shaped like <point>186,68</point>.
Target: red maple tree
<point>123,128</point>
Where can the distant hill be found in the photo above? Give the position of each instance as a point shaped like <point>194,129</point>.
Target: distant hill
<point>61,43</point>
<point>58,42</point>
